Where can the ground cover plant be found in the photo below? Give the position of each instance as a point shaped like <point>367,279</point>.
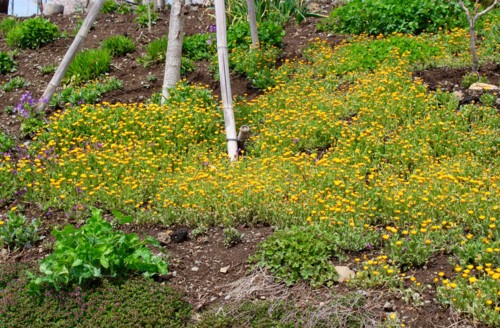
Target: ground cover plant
<point>7,63</point>
<point>118,45</point>
<point>32,33</point>
<point>88,65</point>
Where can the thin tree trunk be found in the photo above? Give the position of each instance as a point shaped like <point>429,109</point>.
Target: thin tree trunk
<point>475,59</point>
<point>4,6</point>
<point>225,81</point>
<point>174,48</point>
<point>252,20</point>
<point>149,15</point>
<point>70,54</point>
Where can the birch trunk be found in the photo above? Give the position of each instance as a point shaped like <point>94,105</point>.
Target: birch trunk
<point>174,48</point>
<point>225,81</point>
<point>252,20</point>
<point>70,54</point>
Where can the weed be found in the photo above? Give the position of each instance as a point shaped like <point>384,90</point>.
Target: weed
<point>88,65</point>
<point>7,24</point>
<point>488,99</point>
<point>471,78</point>
<point>15,83</point>
<point>6,142</point>
<point>32,33</point>
<point>142,15</point>
<point>7,63</point>
<point>118,45</point>
<point>48,69</point>
<point>109,6</point>
<point>17,232</point>
<point>232,237</point>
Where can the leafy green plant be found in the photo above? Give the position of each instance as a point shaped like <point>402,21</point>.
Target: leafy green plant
<point>90,93</point>
<point>88,65</point>
<point>155,52</point>
<point>123,9</point>
<point>270,33</point>
<point>199,46</point>
<point>488,99</point>
<point>95,251</point>
<point>277,10</point>
<point>7,63</point>
<point>48,69</point>
<point>7,24</point>
<point>256,64</point>
<point>17,232</point>
<point>15,83</point>
<point>387,16</point>
<point>200,230</point>
<point>300,253</point>
<point>142,15</point>
<point>118,45</point>
<point>471,78</point>
<point>32,33</point>
<point>109,6</point>
<point>232,237</point>
<point>6,142</point>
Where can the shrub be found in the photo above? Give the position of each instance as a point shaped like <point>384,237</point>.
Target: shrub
<point>142,15</point>
<point>118,45</point>
<point>136,302</point>
<point>32,33</point>
<point>95,251</point>
<point>387,16</point>
<point>88,65</point>
<point>7,24</point>
<point>15,83</point>
<point>109,6</point>
<point>7,64</point>
<point>17,232</point>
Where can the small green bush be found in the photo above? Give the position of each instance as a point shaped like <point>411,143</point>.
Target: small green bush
<point>109,6</point>
<point>7,24</point>
<point>118,45</point>
<point>155,52</point>
<point>32,33</point>
<point>387,16</point>
<point>488,99</point>
<point>142,15</point>
<point>232,237</point>
<point>270,33</point>
<point>17,232</point>
<point>95,251</point>
<point>15,83</point>
<point>6,142</point>
<point>199,46</point>
<point>7,64</point>
<point>471,78</point>
<point>88,65</point>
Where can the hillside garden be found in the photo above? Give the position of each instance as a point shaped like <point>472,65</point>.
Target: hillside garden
<point>368,194</point>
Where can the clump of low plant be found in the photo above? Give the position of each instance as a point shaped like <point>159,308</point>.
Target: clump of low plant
<point>15,83</point>
<point>256,64</point>
<point>232,237</point>
<point>90,93</point>
<point>17,232</point>
<point>199,46</point>
<point>88,65</point>
<point>48,69</point>
<point>31,120</point>
<point>7,63</point>
<point>488,99</point>
<point>300,253</point>
<point>95,251</point>
<point>118,45</point>
<point>7,24</point>
<point>32,33</point>
<point>156,52</point>
<point>6,142</point>
<point>200,230</point>
<point>471,78</point>
<point>109,6</point>
<point>384,17</point>
<point>270,33</point>
<point>143,17</point>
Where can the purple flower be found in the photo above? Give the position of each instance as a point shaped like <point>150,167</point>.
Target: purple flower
<point>209,41</point>
<point>369,246</point>
<point>212,28</point>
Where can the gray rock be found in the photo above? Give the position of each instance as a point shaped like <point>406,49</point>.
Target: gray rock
<point>344,273</point>
<point>388,307</point>
<point>483,86</point>
<point>163,238</point>
<point>458,95</point>
<point>195,269</point>
<point>224,269</point>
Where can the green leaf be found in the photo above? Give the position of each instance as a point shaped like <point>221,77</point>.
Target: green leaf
<point>122,218</point>
<point>104,262</point>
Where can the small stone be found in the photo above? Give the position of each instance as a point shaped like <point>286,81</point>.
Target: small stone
<point>459,95</point>
<point>497,102</point>
<point>163,238</point>
<point>224,269</point>
<point>344,273</point>
<point>195,269</point>
<point>213,298</point>
<point>179,235</point>
<point>388,307</point>
<point>483,86</point>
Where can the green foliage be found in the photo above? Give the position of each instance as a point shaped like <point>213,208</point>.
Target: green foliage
<point>7,63</point>
<point>32,33</point>
<point>15,83</point>
<point>471,78</point>
<point>136,302</point>
<point>31,125</point>
<point>17,232</point>
<point>48,69</point>
<point>7,24</point>
<point>109,6</point>
<point>90,93</point>
<point>199,46</point>
<point>387,16</point>
<point>270,33</point>
<point>6,142</point>
<point>118,45</point>
<point>488,99</point>
<point>276,10</point>
<point>123,9</point>
<point>232,237</point>
<point>300,253</point>
<point>88,65</point>
<point>256,64</point>
<point>155,52</point>
<point>142,15</point>
<point>95,251</point>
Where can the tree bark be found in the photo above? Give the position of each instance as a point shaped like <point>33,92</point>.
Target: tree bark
<point>4,6</point>
<point>252,20</point>
<point>70,54</point>
<point>174,48</point>
<point>225,81</point>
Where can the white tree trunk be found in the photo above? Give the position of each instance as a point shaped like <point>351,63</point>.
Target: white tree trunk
<point>225,81</point>
<point>174,48</point>
<point>252,20</point>
<point>70,54</point>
